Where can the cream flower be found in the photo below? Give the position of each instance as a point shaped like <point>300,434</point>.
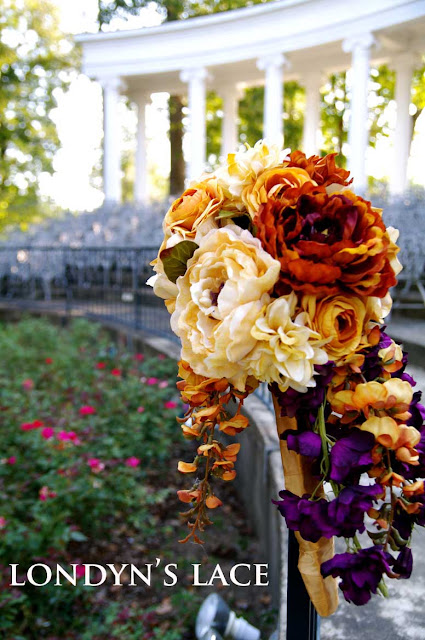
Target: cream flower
<point>219,299</point>
<point>287,349</point>
<point>243,168</point>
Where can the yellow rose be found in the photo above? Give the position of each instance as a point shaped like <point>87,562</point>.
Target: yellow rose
<point>287,349</point>
<point>198,203</point>
<point>341,319</point>
<point>243,168</point>
<point>282,183</point>
<point>219,299</point>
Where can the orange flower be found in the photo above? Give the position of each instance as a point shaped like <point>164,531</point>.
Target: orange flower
<point>328,244</point>
<point>213,502</point>
<point>400,438</point>
<point>322,170</point>
<point>186,467</point>
<point>196,389</point>
<point>235,425</point>
<point>281,183</point>
<point>393,398</point>
<point>197,204</point>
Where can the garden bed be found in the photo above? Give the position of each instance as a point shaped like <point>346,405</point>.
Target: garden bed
<point>87,475</point>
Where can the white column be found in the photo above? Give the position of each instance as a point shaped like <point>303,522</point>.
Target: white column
<point>358,136</point>
<point>273,66</point>
<point>403,129</point>
<point>111,139</point>
<point>141,175</point>
<point>229,132</point>
<point>196,79</point>
<point>312,83</point>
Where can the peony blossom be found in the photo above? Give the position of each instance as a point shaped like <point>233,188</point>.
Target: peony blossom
<point>101,365</point>
<point>3,522</point>
<point>28,384</point>
<point>329,244</point>
<point>11,460</point>
<point>140,409</point>
<point>220,297</point>
<point>49,361</point>
<point>152,381</point>
<point>116,372</point>
<point>163,384</point>
<point>139,357</point>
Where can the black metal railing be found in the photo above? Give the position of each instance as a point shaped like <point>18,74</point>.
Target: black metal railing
<point>107,283</point>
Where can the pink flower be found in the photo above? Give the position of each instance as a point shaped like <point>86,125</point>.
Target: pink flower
<point>45,493</point>
<point>151,381</point>
<point>11,460</point>
<point>116,372</point>
<point>68,436</point>
<point>163,384</point>
<point>170,404</point>
<point>48,433</point>
<point>95,465</point>
<point>140,409</point>
<point>139,356</point>
<point>80,571</point>
<point>28,384</point>
<point>29,426</point>
<point>101,365</point>
<point>49,361</point>
<point>161,356</point>
<point>87,410</point>
<point>2,522</point>
<point>132,462</point>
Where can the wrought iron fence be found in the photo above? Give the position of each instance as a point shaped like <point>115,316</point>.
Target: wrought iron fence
<point>107,283</point>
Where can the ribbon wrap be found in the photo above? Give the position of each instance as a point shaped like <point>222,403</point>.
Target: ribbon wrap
<point>299,480</point>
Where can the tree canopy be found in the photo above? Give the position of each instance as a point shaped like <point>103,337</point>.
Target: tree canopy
<point>34,59</point>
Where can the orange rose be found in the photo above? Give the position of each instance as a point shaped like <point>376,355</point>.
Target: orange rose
<point>197,204</point>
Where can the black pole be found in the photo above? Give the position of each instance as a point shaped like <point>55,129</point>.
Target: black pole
<point>302,621</point>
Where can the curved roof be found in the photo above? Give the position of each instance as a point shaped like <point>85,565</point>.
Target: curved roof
<point>228,44</point>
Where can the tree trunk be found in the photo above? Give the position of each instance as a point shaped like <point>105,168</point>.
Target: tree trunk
<point>177,171</point>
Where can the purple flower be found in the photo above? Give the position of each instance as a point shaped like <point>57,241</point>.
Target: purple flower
<point>417,410</point>
<point>403,523</point>
<point>360,572</point>
<point>315,519</point>
<point>304,405</point>
<point>404,563</point>
<point>309,517</point>
<point>347,511</point>
<point>351,453</point>
<point>305,443</point>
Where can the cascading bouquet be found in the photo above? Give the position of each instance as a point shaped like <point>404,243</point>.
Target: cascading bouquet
<point>275,271</point>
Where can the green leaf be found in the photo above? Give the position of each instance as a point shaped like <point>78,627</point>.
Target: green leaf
<point>175,259</point>
<point>226,214</point>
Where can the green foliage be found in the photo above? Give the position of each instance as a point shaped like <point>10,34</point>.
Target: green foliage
<point>34,60</point>
<point>334,104</point>
<point>70,479</point>
<point>175,258</point>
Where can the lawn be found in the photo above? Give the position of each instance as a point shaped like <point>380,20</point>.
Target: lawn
<point>90,445</point>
